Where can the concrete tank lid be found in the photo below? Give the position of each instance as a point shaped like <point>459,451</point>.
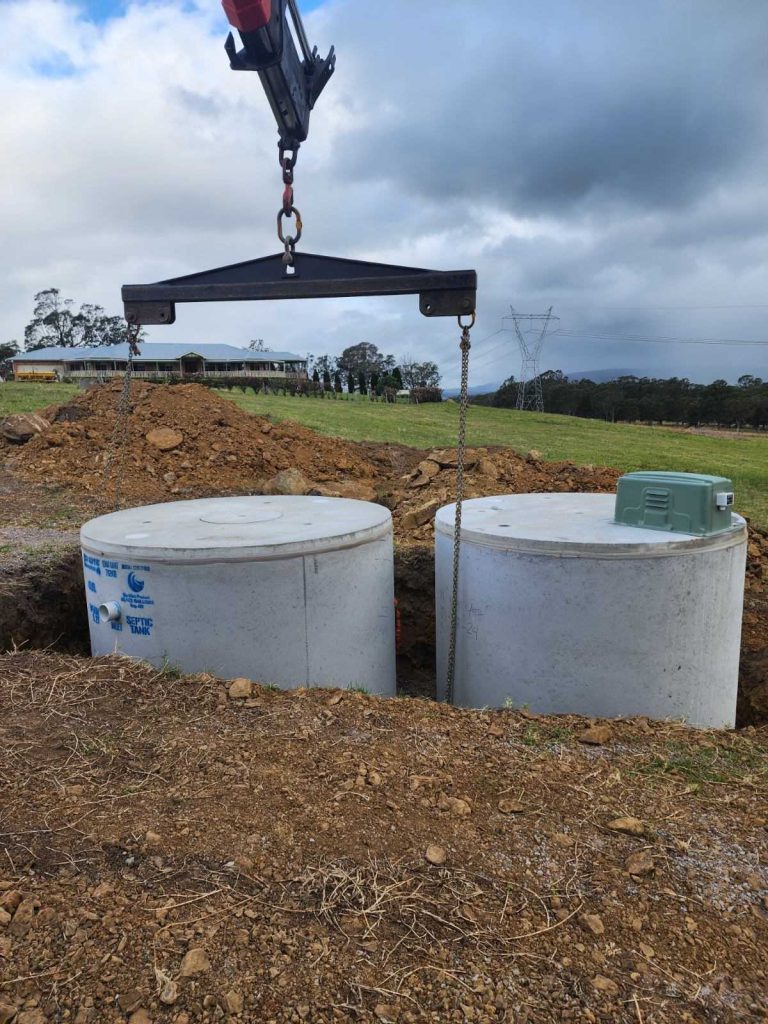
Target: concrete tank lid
<point>236,529</point>
<point>570,524</point>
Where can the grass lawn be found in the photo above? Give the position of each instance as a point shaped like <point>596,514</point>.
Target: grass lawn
<point>624,446</point>
<point>27,397</point>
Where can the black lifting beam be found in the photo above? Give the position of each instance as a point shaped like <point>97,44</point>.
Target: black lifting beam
<point>441,292</point>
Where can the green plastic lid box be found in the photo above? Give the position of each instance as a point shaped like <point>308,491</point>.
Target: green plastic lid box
<point>692,503</point>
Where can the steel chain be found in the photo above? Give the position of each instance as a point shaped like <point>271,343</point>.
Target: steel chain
<point>288,210</point>
<point>118,442</point>
<point>461,445</point>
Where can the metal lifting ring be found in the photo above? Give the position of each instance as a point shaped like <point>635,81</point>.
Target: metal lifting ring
<point>471,323</point>
<point>290,238</point>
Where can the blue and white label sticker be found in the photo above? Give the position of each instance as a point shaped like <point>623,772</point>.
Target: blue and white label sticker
<point>135,594</point>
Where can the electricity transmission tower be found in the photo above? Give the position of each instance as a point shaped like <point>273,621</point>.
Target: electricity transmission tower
<point>531,330</point>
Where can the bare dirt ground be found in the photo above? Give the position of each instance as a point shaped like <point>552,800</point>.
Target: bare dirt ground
<point>172,854</point>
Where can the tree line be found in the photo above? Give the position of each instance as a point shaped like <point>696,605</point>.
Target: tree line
<point>363,368</point>
<point>649,400</point>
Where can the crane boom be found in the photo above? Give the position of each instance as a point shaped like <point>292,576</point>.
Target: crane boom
<point>292,80</point>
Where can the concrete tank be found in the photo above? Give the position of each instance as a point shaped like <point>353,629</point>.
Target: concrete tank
<point>296,591</point>
<point>565,611</point>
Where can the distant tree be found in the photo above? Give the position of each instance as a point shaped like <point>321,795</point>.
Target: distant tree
<point>54,322</point>
<point>375,382</point>
<point>362,386</point>
<point>351,383</point>
<point>315,376</point>
<point>337,383</point>
<point>421,375</point>
<point>326,380</point>
<point>8,349</point>
<point>398,378</point>
<point>257,345</point>
<point>362,358</point>
<point>51,322</point>
<point>325,364</point>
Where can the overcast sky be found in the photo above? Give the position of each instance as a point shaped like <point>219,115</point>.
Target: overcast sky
<point>606,157</point>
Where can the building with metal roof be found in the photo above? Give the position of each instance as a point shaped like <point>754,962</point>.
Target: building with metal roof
<point>157,360</point>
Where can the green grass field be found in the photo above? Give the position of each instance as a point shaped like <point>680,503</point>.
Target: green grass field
<point>26,397</point>
<point>625,446</point>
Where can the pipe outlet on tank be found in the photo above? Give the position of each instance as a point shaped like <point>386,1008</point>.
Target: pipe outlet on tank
<point>110,611</point>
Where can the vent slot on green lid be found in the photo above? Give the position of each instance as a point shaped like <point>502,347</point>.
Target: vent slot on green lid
<point>692,503</point>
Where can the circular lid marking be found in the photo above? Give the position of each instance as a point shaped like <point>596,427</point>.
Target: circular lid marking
<point>232,517</point>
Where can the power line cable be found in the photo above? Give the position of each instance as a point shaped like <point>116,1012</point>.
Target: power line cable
<point>662,340</point>
<point>741,305</point>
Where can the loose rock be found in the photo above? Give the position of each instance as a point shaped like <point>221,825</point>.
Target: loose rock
<point>595,735</point>
<point>288,481</point>
<point>239,689</point>
<point>511,807</point>
<point>640,864</point>
<point>603,984</point>
<point>234,1001</point>
<point>169,993</point>
<point>195,962</point>
<point>20,427</point>
<point>164,438</point>
<point>592,923</point>
<point>629,826</point>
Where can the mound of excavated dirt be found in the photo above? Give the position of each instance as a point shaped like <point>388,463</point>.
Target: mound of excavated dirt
<point>182,441</point>
<point>171,855</point>
<point>432,483</point>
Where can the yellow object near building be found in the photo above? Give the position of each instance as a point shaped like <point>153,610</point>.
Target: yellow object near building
<point>28,374</point>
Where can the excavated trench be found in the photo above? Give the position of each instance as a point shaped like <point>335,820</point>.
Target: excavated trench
<point>42,606</point>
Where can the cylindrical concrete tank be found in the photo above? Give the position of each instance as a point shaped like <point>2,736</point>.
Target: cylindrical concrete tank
<point>565,611</point>
<point>296,591</point>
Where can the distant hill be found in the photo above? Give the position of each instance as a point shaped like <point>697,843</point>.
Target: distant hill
<point>474,389</point>
<point>601,376</point>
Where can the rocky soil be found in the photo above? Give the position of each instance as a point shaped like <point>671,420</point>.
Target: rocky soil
<point>183,850</point>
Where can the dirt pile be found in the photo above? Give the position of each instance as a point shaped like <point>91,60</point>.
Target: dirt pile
<point>432,483</point>
<point>173,855</point>
<point>182,441</point>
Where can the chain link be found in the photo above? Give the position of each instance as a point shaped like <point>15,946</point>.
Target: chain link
<point>288,210</point>
<point>114,464</point>
<point>461,445</point>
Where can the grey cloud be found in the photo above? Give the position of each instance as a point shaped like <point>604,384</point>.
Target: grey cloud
<point>540,107</point>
